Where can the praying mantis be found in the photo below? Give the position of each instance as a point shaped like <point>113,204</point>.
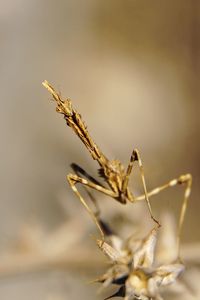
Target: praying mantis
<point>113,172</point>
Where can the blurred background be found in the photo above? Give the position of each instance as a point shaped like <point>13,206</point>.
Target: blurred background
<point>132,70</point>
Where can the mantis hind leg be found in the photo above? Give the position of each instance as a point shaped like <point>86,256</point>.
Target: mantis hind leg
<point>183,179</point>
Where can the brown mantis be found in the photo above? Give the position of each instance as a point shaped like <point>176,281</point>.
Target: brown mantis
<point>114,173</point>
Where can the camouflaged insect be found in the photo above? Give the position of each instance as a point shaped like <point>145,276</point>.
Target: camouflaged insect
<point>116,176</point>
<point>132,261</point>
<point>133,269</point>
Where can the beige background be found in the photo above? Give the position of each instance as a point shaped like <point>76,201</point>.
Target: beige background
<point>132,69</point>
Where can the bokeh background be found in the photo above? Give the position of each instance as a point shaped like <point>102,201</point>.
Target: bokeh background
<point>132,69</point>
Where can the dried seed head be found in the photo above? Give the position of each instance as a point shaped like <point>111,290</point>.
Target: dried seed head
<point>135,272</point>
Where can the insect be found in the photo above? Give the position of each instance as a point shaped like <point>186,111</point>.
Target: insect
<point>113,172</point>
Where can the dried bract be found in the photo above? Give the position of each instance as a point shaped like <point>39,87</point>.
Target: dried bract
<point>134,270</point>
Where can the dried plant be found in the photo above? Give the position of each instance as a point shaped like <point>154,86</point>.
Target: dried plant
<point>39,251</point>
<point>133,268</point>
